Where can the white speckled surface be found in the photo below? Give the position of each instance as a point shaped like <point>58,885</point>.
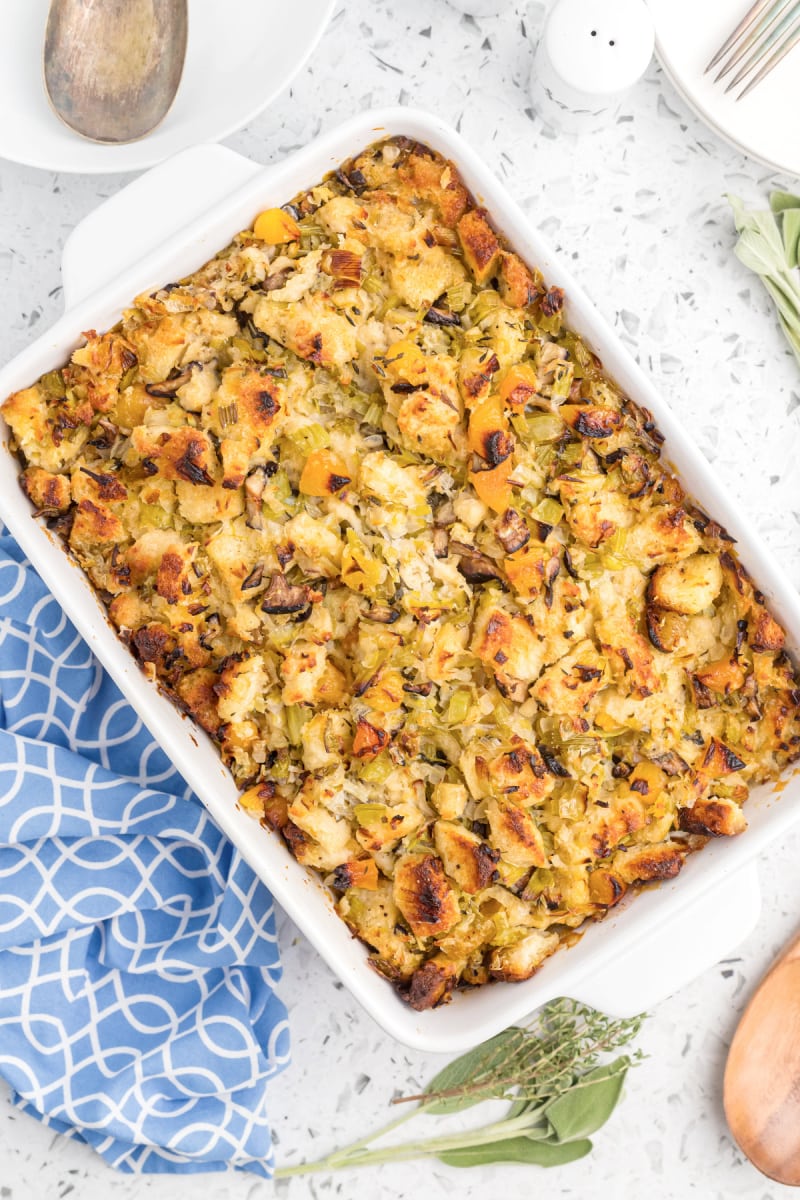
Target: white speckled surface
<point>640,209</point>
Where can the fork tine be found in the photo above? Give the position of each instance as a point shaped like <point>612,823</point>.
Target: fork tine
<point>776,38</point>
<point>753,38</point>
<point>741,28</point>
<point>773,60</point>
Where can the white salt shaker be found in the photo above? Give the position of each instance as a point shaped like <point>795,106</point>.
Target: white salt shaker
<point>590,54</point>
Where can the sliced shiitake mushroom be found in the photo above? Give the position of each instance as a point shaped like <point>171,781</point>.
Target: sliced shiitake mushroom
<point>177,377</point>
<point>512,531</point>
<point>440,543</point>
<point>254,579</point>
<point>444,513</point>
<point>277,280</point>
<point>441,316</point>
<point>383,614</point>
<point>253,491</point>
<point>474,566</point>
<point>671,763</point>
<point>284,597</point>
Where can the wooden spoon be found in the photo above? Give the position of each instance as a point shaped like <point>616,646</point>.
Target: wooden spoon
<point>762,1076</point>
<point>112,67</point>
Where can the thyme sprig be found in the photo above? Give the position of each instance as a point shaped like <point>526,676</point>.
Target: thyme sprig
<point>555,1075</point>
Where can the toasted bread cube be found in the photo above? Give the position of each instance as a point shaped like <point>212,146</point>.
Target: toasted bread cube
<point>664,535</point>
<point>479,243</point>
<point>714,816</point>
<point>433,982</point>
<point>508,645</point>
<point>690,586</point>
<point>515,833</point>
<point>767,634</point>
<point>311,328</point>
<point>373,916</point>
<point>646,864</point>
<point>467,859</point>
<point>517,284</point>
<point>521,959</point>
<point>424,895</point>
<point>450,800</point>
<point>30,419</point>
<point>591,421</point>
<point>46,491</point>
<point>567,687</point>
<point>521,773</point>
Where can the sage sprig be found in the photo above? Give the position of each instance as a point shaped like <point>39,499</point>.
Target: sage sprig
<point>769,245</point>
<point>556,1075</point>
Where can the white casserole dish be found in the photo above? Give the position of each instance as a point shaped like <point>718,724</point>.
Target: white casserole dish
<point>161,227</point>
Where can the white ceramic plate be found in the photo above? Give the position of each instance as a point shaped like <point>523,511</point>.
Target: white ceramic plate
<point>241,55</point>
<point>764,124</point>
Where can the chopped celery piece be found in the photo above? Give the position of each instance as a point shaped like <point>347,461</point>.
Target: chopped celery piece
<point>373,414</point>
<point>548,510</point>
<point>572,454</point>
<point>509,874</point>
<point>562,380</point>
<point>154,516</point>
<point>377,771</point>
<point>458,296</point>
<point>296,717</point>
<point>310,437</point>
<point>544,427</point>
<point>613,552</point>
<point>459,706</point>
<point>53,384</point>
<point>592,564</point>
<point>579,353</point>
<point>484,305</point>
<point>551,325</point>
<point>369,814</point>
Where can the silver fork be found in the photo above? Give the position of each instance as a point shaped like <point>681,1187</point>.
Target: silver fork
<point>770,28</point>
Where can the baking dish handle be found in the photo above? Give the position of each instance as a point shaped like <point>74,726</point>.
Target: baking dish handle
<point>147,213</point>
<point>682,948</point>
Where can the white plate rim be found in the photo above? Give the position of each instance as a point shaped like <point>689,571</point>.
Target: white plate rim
<point>711,124</point>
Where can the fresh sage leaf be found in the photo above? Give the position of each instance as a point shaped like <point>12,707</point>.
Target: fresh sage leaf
<point>774,256</point>
<point>791,235</point>
<point>759,232</point>
<point>781,201</point>
<point>522,1106</point>
<point>589,1103</point>
<point>517,1150</point>
<point>481,1063</point>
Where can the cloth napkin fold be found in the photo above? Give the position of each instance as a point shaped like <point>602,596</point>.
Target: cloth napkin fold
<point>138,951</point>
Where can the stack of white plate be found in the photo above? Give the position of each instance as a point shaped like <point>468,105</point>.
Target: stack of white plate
<point>765,124</point>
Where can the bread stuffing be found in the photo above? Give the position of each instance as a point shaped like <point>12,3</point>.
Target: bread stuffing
<point>358,499</point>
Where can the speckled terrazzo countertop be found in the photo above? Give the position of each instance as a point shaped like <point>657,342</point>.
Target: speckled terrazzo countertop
<point>640,211</point>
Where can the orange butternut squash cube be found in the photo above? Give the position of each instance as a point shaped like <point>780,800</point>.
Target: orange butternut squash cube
<point>324,474</point>
<point>493,486</point>
<point>519,385</point>
<point>275,226</point>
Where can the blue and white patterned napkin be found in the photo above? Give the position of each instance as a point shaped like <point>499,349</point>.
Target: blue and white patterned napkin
<point>137,949</point>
